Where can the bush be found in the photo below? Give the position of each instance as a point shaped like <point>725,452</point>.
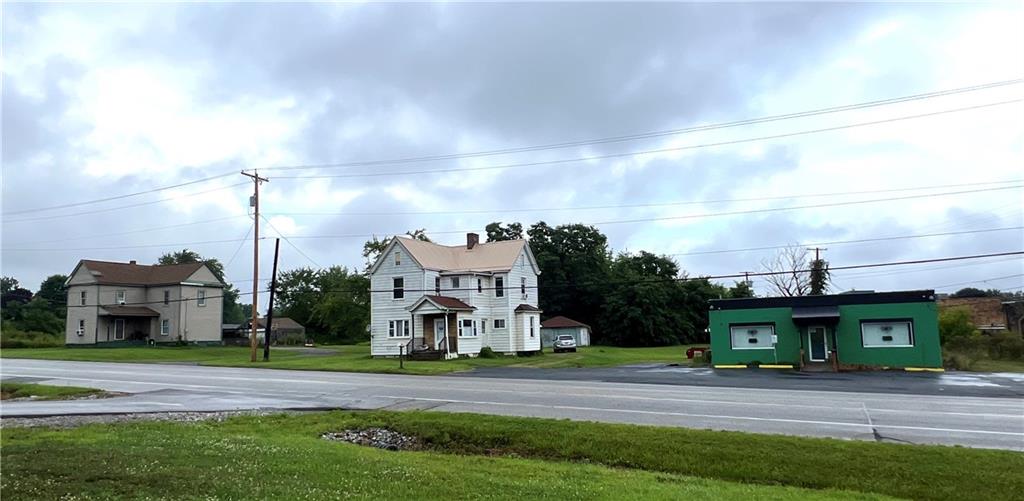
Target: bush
<point>957,361</point>
<point>14,338</point>
<point>487,352</point>
<point>955,323</point>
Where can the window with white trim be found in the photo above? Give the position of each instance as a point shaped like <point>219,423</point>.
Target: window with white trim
<point>751,337</point>
<point>81,327</point>
<point>467,328</point>
<point>398,258</point>
<point>398,328</point>
<point>532,319</point>
<point>499,286</point>
<point>455,282</point>
<point>165,327</point>
<point>119,297</point>
<point>82,298</point>
<point>499,323</point>
<point>437,285</point>
<point>483,326</point>
<point>479,285</point>
<point>887,334</point>
<point>522,285</point>
<point>398,288</point>
<point>201,298</point>
<point>167,297</point>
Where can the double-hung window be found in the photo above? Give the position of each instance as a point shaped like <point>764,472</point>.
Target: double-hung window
<point>398,328</point>
<point>887,333</point>
<point>81,327</point>
<point>499,323</point>
<point>201,298</point>
<point>119,297</point>
<point>398,288</point>
<point>522,285</point>
<point>165,327</point>
<point>483,326</point>
<point>455,282</point>
<point>82,298</point>
<point>398,258</point>
<point>499,286</point>
<point>751,337</point>
<point>479,285</point>
<point>467,328</point>
<point>167,297</point>
<point>437,285</point>
<point>532,320</point>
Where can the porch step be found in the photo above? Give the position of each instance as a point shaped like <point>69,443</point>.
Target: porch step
<point>426,355</point>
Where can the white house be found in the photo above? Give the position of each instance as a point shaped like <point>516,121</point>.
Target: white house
<point>445,301</point>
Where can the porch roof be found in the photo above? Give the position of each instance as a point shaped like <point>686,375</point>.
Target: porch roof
<point>443,303</point>
<point>128,311</point>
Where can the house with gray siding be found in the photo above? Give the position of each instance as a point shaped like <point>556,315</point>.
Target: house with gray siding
<point>444,301</point>
<point>128,303</point>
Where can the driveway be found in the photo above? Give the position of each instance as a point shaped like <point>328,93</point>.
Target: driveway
<point>968,384</point>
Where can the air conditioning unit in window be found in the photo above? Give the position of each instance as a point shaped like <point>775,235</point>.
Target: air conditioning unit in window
<point>80,332</point>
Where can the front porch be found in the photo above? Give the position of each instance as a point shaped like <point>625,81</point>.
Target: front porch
<point>435,328</point>
<point>126,325</point>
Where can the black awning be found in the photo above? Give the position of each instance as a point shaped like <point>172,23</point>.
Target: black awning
<point>816,314</point>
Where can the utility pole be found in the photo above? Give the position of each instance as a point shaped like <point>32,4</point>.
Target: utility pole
<point>817,252</point>
<point>255,203</point>
<point>270,309</point>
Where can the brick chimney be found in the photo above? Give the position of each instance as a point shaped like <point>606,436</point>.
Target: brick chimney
<point>471,240</point>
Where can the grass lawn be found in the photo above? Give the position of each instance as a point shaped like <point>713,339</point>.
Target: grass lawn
<point>473,456</point>
<point>43,392</point>
<point>351,358</point>
<point>990,365</point>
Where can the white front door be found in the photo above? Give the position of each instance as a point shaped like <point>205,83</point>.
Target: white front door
<point>438,332</point>
<point>119,329</point>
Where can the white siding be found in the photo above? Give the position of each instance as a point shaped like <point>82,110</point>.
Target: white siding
<point>384,308</point>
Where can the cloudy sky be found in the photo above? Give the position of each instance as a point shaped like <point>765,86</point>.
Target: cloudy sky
<point>103,101</point>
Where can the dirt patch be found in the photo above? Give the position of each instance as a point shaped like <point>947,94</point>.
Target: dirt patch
<point>381,438</point>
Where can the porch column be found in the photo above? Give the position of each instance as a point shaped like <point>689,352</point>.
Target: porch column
<point>447,341</point>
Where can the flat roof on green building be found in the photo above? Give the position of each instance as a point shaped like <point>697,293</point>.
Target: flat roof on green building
<point>915,296</point>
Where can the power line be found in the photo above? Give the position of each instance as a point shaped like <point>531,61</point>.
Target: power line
<point>143,246</point>
<point>110,209</point>
<point>242,241</point>
<point>286,239</point>
<point>871,274</point>
<point>654,151</point>
<point>652,134</point>
<point>141,230</point>
<point>119,197</point>
<point>982,281</point>
<point>841,242</point>
<point>644,205</point>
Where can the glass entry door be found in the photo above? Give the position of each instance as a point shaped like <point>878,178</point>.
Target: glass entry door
<point>816,343</point>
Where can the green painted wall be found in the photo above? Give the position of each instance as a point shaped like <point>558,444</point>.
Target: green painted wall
<point>926,351</point>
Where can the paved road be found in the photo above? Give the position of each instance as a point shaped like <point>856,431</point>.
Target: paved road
<point>992,422</point>
<point>966,384</point>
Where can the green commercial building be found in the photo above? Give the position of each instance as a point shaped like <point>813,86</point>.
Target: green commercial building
<point>836,332</point>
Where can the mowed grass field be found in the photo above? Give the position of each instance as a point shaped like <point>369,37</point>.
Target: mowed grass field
<point>351,358</point>
<point>469,456</point>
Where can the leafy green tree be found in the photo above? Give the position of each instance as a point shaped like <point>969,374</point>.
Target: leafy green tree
<point>641,304</point>
<point>343,308</point>
<point>232,313</point>
<point>297,294</point>
<point>35,315</point>
<point>53,291</point>
<point>496,232</point>
<point>956,323</point>
<point>819,277</point>
<point>740,289</point>
<point>8,284</point>
<point>574,261</point>
<point>970,292</point>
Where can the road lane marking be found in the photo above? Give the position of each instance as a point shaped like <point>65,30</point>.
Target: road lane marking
<point>713,416</point>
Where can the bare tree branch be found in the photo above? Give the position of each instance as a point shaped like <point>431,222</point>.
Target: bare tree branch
<point>788,262</point>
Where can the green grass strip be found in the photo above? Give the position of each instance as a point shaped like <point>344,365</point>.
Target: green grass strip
<point>43,392</point>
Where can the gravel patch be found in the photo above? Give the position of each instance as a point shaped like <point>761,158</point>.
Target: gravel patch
<point>80,420</point>
<point>380,438</point>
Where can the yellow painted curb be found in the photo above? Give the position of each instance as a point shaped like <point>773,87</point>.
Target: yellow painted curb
<point>730,366</point>
<point>923,369</point>
<point>780,366</point>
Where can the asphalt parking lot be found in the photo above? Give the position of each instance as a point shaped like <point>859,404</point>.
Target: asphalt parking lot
<point>969,384</point>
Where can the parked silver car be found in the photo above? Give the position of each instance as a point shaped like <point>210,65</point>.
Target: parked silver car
<point>564,342</point>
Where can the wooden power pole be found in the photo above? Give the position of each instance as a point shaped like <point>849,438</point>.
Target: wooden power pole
<point>256,180</point>
<point>270,308</point>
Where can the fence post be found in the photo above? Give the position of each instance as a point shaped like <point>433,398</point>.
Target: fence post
<point>401,359</point>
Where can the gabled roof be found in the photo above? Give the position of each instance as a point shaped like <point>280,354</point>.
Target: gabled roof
<point>279,323</point>
<point>442,303</point>
<point>560,322</point>
<point>111,273</point>
<point>483,257</point>
<point>527,307</point>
